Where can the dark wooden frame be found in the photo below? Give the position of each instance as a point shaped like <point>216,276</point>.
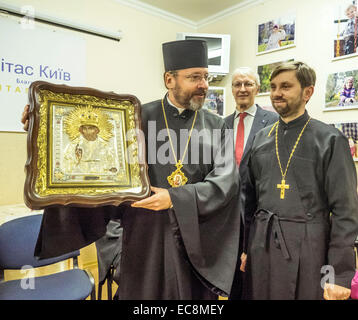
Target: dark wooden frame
<point>39,137</point>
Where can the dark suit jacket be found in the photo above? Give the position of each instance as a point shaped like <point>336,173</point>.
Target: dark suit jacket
<point>263,118</point>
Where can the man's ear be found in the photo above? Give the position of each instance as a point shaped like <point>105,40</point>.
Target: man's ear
<point>307,93</point>
<point>169,80</point>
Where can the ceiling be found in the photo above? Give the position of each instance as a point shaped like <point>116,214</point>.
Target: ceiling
<point>191,11</point>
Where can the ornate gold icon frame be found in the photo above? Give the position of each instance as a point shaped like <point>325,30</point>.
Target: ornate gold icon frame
<point>85,148</point>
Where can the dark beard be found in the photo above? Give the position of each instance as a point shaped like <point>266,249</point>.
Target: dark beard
<point>187,101</point>
<point>290,108</point>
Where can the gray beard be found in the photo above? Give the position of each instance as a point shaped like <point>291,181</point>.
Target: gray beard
<point>190,105</point>
<point>194,106</point>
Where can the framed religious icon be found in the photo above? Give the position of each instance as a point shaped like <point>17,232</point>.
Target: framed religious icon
<point>85,148</point>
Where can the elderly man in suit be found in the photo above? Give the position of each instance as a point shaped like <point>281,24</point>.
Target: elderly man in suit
<point>246,121</point>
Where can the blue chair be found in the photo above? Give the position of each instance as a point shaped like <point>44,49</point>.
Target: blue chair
<point>17,244</point>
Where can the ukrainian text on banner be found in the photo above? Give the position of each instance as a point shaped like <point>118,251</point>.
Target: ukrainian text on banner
<point>30,52</point>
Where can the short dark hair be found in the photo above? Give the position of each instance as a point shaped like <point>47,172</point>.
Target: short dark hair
<point>304,73</point>
<point>173,73</point>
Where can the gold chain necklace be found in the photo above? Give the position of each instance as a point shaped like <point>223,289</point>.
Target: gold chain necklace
<point>283,186</point>
<point>178,178</point>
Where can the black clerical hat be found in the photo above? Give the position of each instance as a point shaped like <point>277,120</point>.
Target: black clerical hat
<point>184,54</point>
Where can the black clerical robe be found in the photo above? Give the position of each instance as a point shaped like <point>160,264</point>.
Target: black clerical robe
<point>291,241</point>
<point>187,252</point>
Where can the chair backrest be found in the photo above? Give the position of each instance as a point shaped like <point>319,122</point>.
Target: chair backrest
<point>17,244</point>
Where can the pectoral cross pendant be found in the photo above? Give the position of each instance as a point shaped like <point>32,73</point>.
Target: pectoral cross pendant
<point>283,186</point>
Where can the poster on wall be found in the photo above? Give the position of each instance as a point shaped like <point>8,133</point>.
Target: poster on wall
<point>264,73</point>
<point>276,34</point>
<point>215,101</point>
<point>35,52</point>
<point>345,29</point>
<point>341,91</point>
<point>350,130</point>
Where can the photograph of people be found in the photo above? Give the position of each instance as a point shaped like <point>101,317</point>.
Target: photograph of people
<point>341,90</point>
<point>276,37</point>
<point>348,92</point>
<point>346,21</point>
<point>350,130</point>
<point>264,72</point>
<point>215,101</point>
<point>276,34</point>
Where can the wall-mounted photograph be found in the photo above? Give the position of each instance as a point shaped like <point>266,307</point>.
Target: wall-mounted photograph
<point>350,130</point>
<point>215,100</point>
<point>341,91</point>
<point>276,34</point>
<point>345,29</point>
<point>264,73</point>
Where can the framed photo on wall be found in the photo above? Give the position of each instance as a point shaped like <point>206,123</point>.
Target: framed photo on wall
<point>341,91</point>
<point>276,34</point>
<point>345,33</point>
<point>264,73</point>
<point>350,130</point>
<point>215,101</point>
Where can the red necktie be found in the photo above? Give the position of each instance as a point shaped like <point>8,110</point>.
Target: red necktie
<point>239,148</point>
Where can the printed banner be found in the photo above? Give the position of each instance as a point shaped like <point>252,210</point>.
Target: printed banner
<point>32,52</point>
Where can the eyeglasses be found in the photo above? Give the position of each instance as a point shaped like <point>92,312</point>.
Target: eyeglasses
<point>197,78</point>
<point>247,85</point>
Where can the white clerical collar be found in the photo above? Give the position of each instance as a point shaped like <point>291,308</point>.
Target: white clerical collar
<point>180,110</point>
<point>251,111</point>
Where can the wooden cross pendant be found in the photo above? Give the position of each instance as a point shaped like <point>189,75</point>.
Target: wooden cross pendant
<point>283,186</point>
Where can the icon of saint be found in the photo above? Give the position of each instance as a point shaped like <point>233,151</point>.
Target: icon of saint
<point>89,150</point>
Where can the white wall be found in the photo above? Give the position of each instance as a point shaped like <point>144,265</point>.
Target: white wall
<point>313,45</point>
<point>134,65</point>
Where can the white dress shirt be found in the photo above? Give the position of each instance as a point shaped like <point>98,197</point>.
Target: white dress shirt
<point>248,121</point>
